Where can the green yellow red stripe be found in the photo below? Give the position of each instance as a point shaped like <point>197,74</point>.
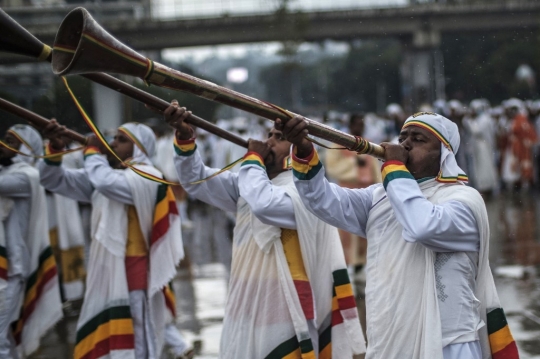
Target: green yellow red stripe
<point>393,170</point>
<point>184,148</point>
<point>53,157</point>
<point>306,168</point>
<point>35,285</point>
<point>165,207</point>
<point>431,129</point>
<point>501,341</point>
<point>110,330</point>
<point>253,158</point>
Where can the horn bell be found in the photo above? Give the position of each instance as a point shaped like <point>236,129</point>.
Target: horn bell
<point>17,40</point>
<point>82,46</point>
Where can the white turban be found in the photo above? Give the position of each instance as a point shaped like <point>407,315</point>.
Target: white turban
<point>31,143</point>
<point>447,132</point>
<point>144,141</point>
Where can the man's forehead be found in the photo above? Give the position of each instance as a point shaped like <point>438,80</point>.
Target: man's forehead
<point>415,130</point>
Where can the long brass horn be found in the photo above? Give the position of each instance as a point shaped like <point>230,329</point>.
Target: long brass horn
<point>16,39</point>
<point>83,46</point>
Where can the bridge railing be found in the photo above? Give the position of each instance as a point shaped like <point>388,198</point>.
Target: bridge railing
<point>43,12</point>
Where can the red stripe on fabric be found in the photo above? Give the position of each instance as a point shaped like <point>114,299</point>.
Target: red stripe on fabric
<point>336,318</point>
<point>137,272</point>
<point>306,160</point>
<point>393,162</point>
<point>509,352</point>
<point>115,342</point>
<point>303,288</point>
<point>346,303</point>
<point>162,226</point>
<point>3,273</point>
<point>29,309</point>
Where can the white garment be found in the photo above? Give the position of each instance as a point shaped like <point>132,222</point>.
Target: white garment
<point>389,302</point>
<point>481,129</point>
<point>47,310</point>
<point>258,316</point>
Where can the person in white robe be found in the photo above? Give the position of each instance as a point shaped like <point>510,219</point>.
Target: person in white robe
<point>29,291</point>
<point>136,243</point>
<point>479,126</point>
<point>289,292</point>
<point>430,293</point>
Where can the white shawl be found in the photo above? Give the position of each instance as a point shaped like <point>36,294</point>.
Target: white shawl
<point>408,322</point>
<point>322,256</point>
<point>42,307</point>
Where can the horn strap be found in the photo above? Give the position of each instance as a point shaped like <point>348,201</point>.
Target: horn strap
<point>45,52</point>
<point>149,71</point>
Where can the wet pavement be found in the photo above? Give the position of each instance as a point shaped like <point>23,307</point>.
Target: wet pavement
<point>514,256</point>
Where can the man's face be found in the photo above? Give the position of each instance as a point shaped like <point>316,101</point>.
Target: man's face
<point>356,126</point>
<point>12,142</point>
<point>122,146</point>
<point>424,151</point>
<point>279,150</point>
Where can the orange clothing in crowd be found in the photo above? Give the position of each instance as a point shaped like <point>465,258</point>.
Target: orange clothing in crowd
<point>522,137</point>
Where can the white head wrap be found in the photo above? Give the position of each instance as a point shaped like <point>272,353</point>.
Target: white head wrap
<point>144,141</point>
<point>31,143</point>
<point>448,133</point>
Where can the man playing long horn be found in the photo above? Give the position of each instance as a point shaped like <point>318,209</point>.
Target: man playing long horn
<point>430,293</point>
<point>136,242</point>
<point>289,292</point>
<point>29,290</point>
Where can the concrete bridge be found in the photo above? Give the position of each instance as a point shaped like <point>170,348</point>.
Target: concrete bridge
<point>419,27</point>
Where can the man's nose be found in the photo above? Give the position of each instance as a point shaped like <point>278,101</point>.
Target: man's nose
<point>406,144</point>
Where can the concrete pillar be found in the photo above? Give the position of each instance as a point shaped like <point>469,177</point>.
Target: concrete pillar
<point>108,107</point>
<point>422,70</point>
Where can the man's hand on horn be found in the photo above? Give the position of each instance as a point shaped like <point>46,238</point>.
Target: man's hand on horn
<point>260,147</point>
<point>295,131</point>
<point>175,117</point>
<point>54,132</point>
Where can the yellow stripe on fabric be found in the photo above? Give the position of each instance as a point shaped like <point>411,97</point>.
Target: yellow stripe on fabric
<point>251,158</point>
<point>293,254</point>
<point>72,263</point>
<point>3,262</point>
<point>344,290</point>
<point>309,355</point>
<point>47,265</point>
<point>430,129</point>
<point>136,244</point>
<point>104,331</point>
<point>184,147</point>
<point>500,339</point>
<point>335,303</point>
<point>294,355</point>
<point>391,168</point>
<point>100,137</point>
<point>162,208</point>
<point>326,353</point>
<point>305,167</point>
